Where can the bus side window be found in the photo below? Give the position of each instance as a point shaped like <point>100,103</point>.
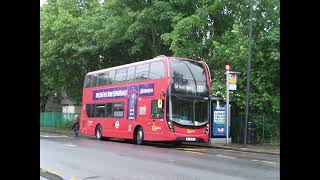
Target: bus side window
<point>109,110</point>
<point>93,110</point>
<point>100,109</point>
<point>111,77</point>
<point>121,75</point>
<point>94,80</point>
<point>118,109</point>
<point>88,110</point>
<point>103,79</point>
<point>156,113</point>
<point>157,70</point>
<point>142,72</point>
<point>131,73</point>
<point>87,81</point>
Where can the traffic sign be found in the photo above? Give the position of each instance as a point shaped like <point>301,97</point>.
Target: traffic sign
<point>227,67</point>
<point>232,82</point>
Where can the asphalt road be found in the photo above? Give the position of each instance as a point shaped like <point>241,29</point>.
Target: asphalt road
<point>86,158</point>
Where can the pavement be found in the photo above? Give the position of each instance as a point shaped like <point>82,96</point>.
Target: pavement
<point>75,158</point>
<point>263,149</point>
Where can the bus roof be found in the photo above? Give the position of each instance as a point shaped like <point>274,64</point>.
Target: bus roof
<point>137,63</point>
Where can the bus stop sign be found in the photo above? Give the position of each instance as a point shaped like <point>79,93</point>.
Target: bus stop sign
<point>232,82</point>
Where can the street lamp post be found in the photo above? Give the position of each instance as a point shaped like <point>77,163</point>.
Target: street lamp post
<point>248,77</point>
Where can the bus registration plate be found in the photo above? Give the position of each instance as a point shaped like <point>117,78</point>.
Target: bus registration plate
<point>190,139</point>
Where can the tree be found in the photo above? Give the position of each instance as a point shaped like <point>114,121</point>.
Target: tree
<point>78,36</point>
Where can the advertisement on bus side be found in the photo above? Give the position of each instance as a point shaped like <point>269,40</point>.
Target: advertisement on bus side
<point>132,93</point>
<point>132,102</point>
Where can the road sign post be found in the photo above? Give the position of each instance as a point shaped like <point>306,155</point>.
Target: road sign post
<point>227,109</point>
<point>231,79</point>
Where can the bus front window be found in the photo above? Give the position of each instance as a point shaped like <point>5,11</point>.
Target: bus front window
<point>189,111</point>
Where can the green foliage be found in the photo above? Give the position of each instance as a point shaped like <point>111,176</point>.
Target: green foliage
<point>267,128</point>
<point>81,36</point>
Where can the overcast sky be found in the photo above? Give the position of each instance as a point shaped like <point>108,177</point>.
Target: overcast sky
<point>41,2</point>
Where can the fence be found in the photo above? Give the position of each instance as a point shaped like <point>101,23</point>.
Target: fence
<point>267,128</point>
<point>56,120</point>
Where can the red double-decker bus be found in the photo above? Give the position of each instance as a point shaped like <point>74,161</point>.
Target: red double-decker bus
<point>162,99</point>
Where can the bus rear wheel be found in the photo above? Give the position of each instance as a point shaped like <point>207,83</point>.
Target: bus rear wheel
<point>176,143</point>
<point>99,132</point>
<point>139,136</point>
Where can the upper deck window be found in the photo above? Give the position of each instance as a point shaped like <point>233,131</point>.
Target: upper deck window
<point>121,75</point>
<point>131,73</point>
<point>142,72</point>
<point>154,70</point>
<point>103,79</point>
<point>157,70</point>
<point>111,77</point>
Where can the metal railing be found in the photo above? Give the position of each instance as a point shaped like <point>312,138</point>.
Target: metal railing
<point>267,128</point>
<point>57,120</point>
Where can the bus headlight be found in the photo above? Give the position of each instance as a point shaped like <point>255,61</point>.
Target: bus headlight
<point>207,129</point>
<point>170,126</point>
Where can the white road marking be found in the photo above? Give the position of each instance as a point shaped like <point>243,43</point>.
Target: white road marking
<point>225,156</point>
<point>71,145</point>
<point>46,136</point>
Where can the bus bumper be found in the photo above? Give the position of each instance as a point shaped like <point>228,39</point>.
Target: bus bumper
<point>189,138</point>
<point>185,139</point>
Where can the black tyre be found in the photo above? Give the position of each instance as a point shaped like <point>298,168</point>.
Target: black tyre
<point>176,143</point>
<point>139,136</point>
<point>99,132</point>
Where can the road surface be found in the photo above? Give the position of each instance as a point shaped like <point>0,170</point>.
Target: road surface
<point>86,158</point>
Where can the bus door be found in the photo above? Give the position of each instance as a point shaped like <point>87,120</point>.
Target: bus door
<point>124,128</point>
<point>142,117</point>
<point>157,116</point>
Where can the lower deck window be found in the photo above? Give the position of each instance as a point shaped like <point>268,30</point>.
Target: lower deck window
<point>118,109</point>
<point>105,110</point>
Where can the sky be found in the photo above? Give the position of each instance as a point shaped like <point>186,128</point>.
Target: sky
<point>41,2</point>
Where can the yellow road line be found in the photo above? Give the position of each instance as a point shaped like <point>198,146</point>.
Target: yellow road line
<point>194,152</point>
<point>54,171</point>
<point>229,150</point>
<point>255,160</point>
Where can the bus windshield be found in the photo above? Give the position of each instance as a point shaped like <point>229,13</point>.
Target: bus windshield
<point>189,111</point>
<point>188,78</point>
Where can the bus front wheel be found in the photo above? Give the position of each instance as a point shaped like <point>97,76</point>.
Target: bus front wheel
<point>139,136</point>
<point>176,143</point>
<point>99,132</point>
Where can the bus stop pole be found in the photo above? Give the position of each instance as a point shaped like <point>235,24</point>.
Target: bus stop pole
<point>227,109</point>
